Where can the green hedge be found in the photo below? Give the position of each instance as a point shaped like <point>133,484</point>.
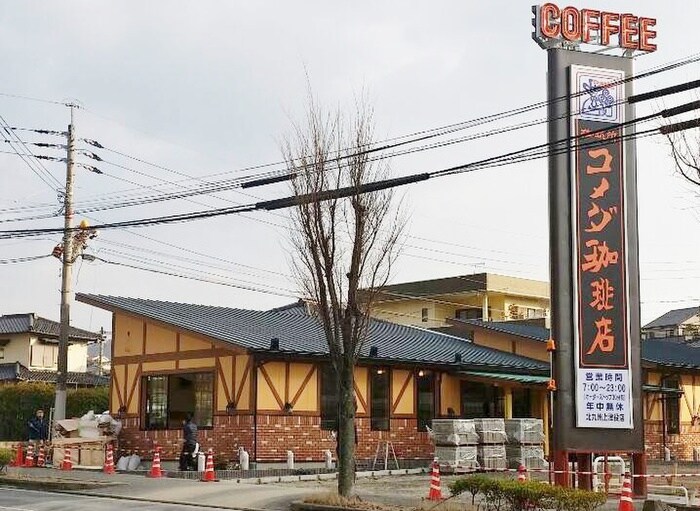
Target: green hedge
<point>19,402</point>
<point>509,495</point>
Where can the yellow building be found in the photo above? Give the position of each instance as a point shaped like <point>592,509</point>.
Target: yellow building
<point>484,296</point>
<point>261,380</point>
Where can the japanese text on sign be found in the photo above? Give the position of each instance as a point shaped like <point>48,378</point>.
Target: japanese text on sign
<point>603,391</point>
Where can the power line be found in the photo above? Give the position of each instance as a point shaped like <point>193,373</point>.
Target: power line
<point>527,154</point>
<point>27,259</point>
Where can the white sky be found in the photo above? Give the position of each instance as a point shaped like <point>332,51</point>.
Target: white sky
<point>206,87</point>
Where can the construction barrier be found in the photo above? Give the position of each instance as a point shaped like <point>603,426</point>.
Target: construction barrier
<point>41,460</point>
<point>155,471</point>
<point>626,503</point>
<point>109,461</point>
<point>208,476</point>
<point>435,492</point>
<point>67,462</point>
<point>29,461</point>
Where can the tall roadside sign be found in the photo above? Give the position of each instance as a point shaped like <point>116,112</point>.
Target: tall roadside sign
<point>594,268</point>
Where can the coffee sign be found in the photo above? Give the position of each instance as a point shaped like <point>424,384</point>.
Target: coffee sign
<point>569,27</point>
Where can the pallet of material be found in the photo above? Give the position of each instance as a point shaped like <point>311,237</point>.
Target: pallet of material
<point>454,432</point>
<point>463,457</point>
<point>491,430</point>
<point>524,431</point>
<point>492,457</point>
<point>530,456</point>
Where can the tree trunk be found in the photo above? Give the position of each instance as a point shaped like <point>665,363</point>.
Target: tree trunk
<point>346,428</point>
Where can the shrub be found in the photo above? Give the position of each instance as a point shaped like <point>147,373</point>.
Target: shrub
<point>6,456</point>
<point>528,496</point>
<point>81,401</point>
<point>20,402</point>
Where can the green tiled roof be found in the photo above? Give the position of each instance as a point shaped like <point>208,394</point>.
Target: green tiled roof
<point>525,379</point>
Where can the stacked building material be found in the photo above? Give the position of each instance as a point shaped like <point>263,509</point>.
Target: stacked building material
<point>525,443</point>
<point>491,453</point>
<point>455,444</point>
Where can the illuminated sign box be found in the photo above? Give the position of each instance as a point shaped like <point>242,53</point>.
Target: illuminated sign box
<point>569,27</point>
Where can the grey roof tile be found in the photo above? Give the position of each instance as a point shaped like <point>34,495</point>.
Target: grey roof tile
<point>535,332</point>
<point>31,323</point>
<point>673,318</point>
<point>302,334</point>
<point>17,372</point>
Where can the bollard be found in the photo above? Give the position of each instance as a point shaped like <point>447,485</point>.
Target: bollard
<point>328,459</point>
<point>290,460</point>
<point>201,461</point>
<point>243,459</point>
<point>667,454</point>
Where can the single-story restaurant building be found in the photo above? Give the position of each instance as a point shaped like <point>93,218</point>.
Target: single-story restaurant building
<point>262,380</point>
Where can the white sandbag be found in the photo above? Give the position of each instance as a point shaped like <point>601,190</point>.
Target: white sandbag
<point>134,462</point>
<point>123,463</point>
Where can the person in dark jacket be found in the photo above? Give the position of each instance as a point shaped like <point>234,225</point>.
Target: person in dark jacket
<point>189,433</point>
<point>38,428</point>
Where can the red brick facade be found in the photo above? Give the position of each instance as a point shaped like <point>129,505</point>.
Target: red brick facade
<point>681,446</point>
<point>276,434</point>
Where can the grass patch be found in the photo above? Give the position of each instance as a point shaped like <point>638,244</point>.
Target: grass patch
<point>335,500</point>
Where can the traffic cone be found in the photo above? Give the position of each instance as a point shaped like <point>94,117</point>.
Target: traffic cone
<point>209,476</point>
<point>109,461</point>
<point>67,461</point>
<point>19,457</point>
<point>522,474</point>
<point>29,461</point>
<point>435,492</point>
<point>41,460</point>
<point>626,495</point>
<point>155,467</point>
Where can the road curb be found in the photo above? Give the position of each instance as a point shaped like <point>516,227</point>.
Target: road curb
<point>163,501</point>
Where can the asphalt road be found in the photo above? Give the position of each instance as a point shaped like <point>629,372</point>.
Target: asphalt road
<point>31,500</point>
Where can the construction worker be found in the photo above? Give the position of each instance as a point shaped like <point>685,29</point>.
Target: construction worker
<point>38,428</point>
<point>189,444</point>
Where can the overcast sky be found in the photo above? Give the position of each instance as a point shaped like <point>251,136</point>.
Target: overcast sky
<point>212,87</point>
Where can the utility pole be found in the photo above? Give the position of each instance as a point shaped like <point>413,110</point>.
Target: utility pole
<point>66,275</point>
<point>100,370</point>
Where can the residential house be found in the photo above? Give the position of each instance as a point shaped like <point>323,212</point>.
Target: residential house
<point>678,322</point>
<point>29,350</point>
<point>482,296</point>
<point>262,380</point>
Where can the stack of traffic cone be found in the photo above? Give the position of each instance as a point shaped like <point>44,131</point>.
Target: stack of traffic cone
<point>109,461</point>
<point>522,474</point>
<point>41,460</point>
<point>435,492</point>
<point>626,495</point>
<point>155,467</point>
<point>209,476</point>
<point>67,461</point>
<point>29,460</point>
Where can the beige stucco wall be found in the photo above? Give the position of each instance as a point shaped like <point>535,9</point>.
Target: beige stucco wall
<point>17,350</point>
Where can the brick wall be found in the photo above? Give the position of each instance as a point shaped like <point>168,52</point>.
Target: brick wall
<point>276,435</point>
<point>681,445</point>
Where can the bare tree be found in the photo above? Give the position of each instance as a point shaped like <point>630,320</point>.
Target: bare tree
<point>343,247</point>
<point>685,149</point>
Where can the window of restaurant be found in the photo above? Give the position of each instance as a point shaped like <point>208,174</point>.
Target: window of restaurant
<point>522,403</point>
<point>329,398</point>
<point>425,399</point>
<point>481,400</point>
<point>672,406</point>
<point>379,406</point>
<point>169,399</point>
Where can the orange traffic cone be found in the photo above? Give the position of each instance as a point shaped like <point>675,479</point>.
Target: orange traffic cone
<point>19,457</point>
<point>209,476</point>
<point>109,461</point>
<point>29,461</point>
<point>41,460</point>
<point>155,467</point>
<point>67,461</point>
<point>626,495</point>
<point>522,474</point>
<point>435,492</point>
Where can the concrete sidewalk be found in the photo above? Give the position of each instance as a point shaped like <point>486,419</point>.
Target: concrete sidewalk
<point>405,490</point>
<point>231,494</point>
